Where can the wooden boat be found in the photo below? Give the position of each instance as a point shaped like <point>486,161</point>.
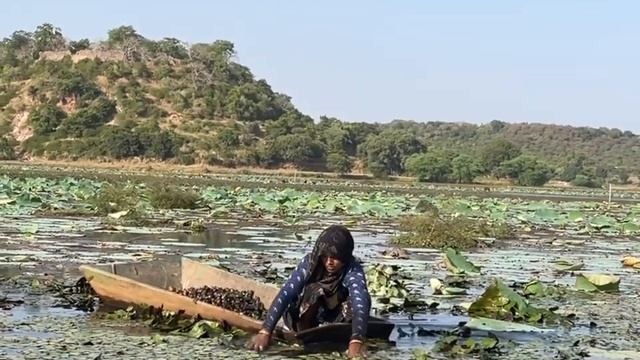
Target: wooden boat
<point>150,283</point>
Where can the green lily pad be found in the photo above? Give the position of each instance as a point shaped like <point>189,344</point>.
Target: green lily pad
<point>501,303</point>
<point>602,221</point>
<point>440,289</point>
<point>576,216</point>
<point>486,324</point>
<point>630,228</point>
<point>545,215</point>
<point>458,264</point>
<point>206,328</point>
<point>566,266</point>
<point>535,288</point>
<point>597,282</point>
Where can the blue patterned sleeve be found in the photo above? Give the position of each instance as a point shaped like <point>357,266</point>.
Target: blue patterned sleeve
<point>360,301</point>
<point>289,291</point>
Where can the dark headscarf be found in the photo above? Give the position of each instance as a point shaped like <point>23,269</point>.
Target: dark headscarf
<point>335,241</point>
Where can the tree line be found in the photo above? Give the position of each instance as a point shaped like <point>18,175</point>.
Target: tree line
<point>189,103</point>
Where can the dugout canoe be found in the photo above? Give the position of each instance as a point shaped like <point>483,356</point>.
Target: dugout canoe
<point>149,283</point>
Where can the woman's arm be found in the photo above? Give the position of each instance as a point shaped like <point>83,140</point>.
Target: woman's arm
<point>360,301</point>
<point>292,288</point>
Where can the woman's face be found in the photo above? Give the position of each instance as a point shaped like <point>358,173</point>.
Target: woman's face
<point>331,264</point>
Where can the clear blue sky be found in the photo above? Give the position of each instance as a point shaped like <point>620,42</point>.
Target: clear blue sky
<point>565,62</point>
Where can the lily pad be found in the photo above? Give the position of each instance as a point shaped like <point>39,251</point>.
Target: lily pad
<point>597,282</point>
<point>631,261</point>
<point>602,221</point>
<point>565,266</point>
<point>458,264</point>
<point>454,345</point>
<point>535,288</point>
<point>486,324</point>
<point>441,289</point>
<point>501,303</point>
<point>630,228</point>
<point>205,328</point>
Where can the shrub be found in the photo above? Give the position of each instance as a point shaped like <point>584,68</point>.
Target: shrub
<point>432,230</point>
<point>6,149</point>
<point>97,113</point>
<point>186,159</point>
<point>339,162</point>
<point>228,138</point>
<point>431,166</point>
<point>120,143</point>
<point>172,197</point>
<point>247,157</point>
<point>6,94</point>
<point>46,118</point>
<point>163,145</point>
<point>113,198</point>
<point>587,181</point>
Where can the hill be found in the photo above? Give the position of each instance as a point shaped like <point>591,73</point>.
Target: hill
<point>129,96</point>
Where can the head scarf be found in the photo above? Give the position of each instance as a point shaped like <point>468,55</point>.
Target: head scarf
<point>335,241</point>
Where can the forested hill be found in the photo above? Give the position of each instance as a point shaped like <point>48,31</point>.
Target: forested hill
<point>129,96</point>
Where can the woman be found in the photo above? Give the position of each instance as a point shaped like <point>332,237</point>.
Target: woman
<point>328,286</point>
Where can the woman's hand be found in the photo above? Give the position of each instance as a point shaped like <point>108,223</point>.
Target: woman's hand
<point>261,341</point>
<point>356,349</point>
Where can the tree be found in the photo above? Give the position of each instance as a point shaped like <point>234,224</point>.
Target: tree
<point>586,181</point>
<point>122,34</point>
<point>602,171</point>
<point>46,118</point>
<point>620,176</point>
<point>386,152</point>
<point>98,112</point>
<point>172,47</point>
<point>464,168</point>
<point>526,170</point>
<point>75,46</point>
<point>20,46</point>
<point>336,136</point>
<point>290,123</point>
<point>573,168</point>
<point>359,134</point>
<point>252,102</point>
<point>496,152</point>
<point>120,143</point>
<point>164,145</point>
<point>293,148</point>
<point>157,143</point>
<point>49,38</point>
<point>71,83</point>
<point>496,126</point>
<point>339,162</point>
<point>432,166</point>
<point>6,149</point>
<point>228,138</point>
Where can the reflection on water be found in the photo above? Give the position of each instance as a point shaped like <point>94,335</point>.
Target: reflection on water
<point>214,237</point>
<point>24,312</point>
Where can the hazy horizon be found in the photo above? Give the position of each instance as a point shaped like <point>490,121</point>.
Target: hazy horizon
<point>569,63</point>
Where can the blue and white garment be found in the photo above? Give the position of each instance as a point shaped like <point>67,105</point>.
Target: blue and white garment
<point>354,281</point>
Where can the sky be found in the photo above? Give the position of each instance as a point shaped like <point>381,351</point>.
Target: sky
<point>545,61</point>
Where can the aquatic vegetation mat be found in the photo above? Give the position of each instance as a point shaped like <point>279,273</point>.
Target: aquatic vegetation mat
<point>471,217</point>
<point>433,231</point>
<point>171,322</point>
